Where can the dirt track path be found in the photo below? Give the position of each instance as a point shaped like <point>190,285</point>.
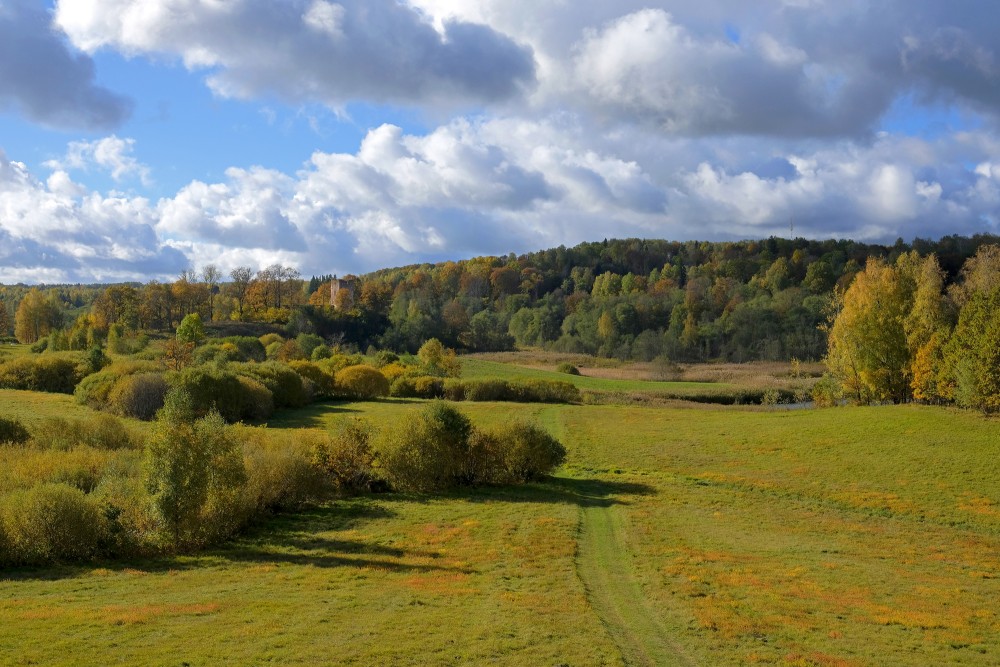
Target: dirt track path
<point>605,567</point>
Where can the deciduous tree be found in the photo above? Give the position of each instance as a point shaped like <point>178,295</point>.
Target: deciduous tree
<point>36,317</point>
<point>868,350</point>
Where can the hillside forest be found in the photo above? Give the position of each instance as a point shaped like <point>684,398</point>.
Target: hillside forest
<point>894,323</point>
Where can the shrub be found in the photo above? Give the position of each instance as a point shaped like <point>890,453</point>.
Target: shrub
<point>12,431</point>
<point>51,523</point>
<point>131,520</point>
<point>248,348</point>
<point>512,454</point>
<point>122,342</point>
<point>567,368</point>
<point>346,457</point>
<point>323,382</point>
<point>425,451</point>
<point>393,371</point>
<point>192,465</point>
<point>94,360</point>
<point>339,362</point>
<point>454,390</point>
<point>269,339</point>
<point>216,352</point>
<point>278,478</point>
<point>57,433</point>
<point>361,382</point>
<point>191,329</point>
<point>106,432</point>
<point>290,351</point>
<point>321,352</point>
<point>234,397</point>
<point>384,357</point>
<point>545,391</point>
<point>54,374</point>
<point>211,389</point>
<point>138,396</point>
<point>827,392</point>
<point>487,390</point>
<point>286,386</point>
<point>94,390</point>
<point>438,359</point>
<point>308,342</point>
<point>100,431</point>
<point>527,452</point>
<point>272,350</point>
<point>418,387</point>
<point>524,391</point>
<point>258,402</point>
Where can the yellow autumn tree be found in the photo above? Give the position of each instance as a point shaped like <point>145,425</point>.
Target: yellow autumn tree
<point>971,357</point>
<point>928,327</point>
<point>36,317</point>
<point>868,348</point>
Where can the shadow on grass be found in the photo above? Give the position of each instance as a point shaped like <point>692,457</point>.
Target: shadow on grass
<point>310,416</point>
<point>315,415</point>
<point>571,490</point>
<point>291,538</point>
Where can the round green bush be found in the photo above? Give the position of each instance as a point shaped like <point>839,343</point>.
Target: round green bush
<point>321,352</point>
<point>528,451</point>
<point>248,348</point>
<point>567,368</point>
<point>425,451</point>
<point>209,388</point>
<point>361,382</point>
<point>286,386</point>
<point>51,523</point>
<point>95,389</point>
<point>12,431</point>
<point>258,402</point>
<point>346,456</point>
<point>308,342</point>
<point>54,374</point>
<point>138,396</point>
<point>323,382</point>
<point>269,339</point>
<point>418,387</point>
<point>103,431</point>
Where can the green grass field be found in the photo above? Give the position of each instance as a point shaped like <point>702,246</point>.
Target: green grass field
<point>30,406</point>
<point>483,369</point>
<point>715,536</point>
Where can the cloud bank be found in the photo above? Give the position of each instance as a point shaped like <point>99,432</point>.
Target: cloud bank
<point>554,123</point>
<point>43,80</point>
<point>311,50</point>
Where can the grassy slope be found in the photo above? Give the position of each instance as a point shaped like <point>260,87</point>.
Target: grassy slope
<point>30,406</point>
<point>828,537</point>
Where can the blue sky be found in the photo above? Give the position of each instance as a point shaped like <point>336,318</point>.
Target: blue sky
<point>138,139</point>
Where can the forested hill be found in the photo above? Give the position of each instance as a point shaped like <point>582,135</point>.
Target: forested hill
<point>638,299</point>
<point>632,299</point>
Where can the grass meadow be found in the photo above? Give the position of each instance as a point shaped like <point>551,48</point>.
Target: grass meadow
<point>673,535</point>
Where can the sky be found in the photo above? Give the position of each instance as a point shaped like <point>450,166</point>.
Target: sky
<point>140,138</point>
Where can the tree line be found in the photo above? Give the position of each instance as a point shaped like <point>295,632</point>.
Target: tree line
<point>631,299</point>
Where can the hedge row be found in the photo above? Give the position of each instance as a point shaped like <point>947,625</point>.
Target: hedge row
<point>435,449</point>
<point>239,391</point>
<point>57,374</point>
<point>518,391</point>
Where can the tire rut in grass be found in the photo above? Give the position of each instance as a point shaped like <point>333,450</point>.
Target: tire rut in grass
<point>604,567</point>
